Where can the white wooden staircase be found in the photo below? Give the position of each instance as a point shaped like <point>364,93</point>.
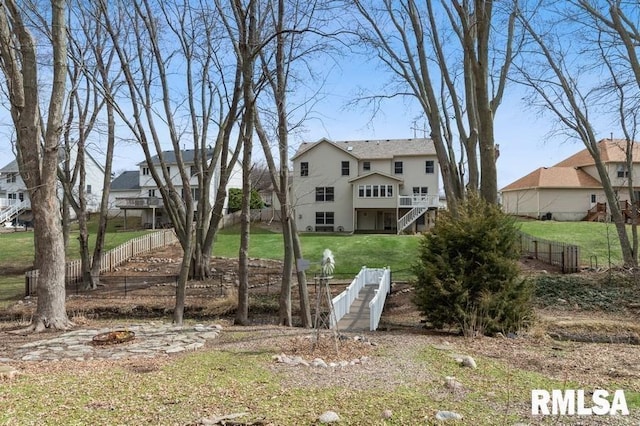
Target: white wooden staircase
<point>11,212</point>
<point>412,215</point>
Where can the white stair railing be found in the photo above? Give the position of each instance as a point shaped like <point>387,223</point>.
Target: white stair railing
<point>14,210</point>
<point>405,221</point>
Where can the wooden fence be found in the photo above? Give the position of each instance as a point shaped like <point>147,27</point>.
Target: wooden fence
<point>110,259</point>
<point>567,256</point>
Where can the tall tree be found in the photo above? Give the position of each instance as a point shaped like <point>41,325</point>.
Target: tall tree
<point>37,143</point>
<point>295,37</point>
<point>245,43</point>
<point>179,37</point>
<point>91,83</point>
<point>565,84</point>
<point>450,57</point>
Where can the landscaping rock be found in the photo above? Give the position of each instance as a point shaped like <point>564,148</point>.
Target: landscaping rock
<point>448,415</point>
<point>465,361</point>
<point>8,372</point>
<point>329,417</point>
<point>451,383</point>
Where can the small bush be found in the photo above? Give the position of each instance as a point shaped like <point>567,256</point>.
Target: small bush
<point>235,200</point>
<point>467,274</point>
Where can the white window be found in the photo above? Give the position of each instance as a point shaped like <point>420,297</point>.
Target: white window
<point>375,191</point>
<point>623,171</point>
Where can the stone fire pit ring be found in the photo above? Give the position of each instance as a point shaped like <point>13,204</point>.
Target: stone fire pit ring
<point>113,337</point>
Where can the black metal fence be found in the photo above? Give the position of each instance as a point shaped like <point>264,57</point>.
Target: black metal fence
<point>566,256</point>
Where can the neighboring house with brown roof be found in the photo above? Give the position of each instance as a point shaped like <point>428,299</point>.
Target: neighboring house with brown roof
<point>378,186</point>
<point>568,190</point>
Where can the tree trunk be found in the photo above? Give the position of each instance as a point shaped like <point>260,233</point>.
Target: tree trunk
<point>242,313</point>
<point>38,153</point>
<point>305,307</point>
<point>50,259</point>
<point>181,285</point>
<point>284,302</point>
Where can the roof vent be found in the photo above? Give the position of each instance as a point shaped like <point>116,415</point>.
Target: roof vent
<point>349,148</point>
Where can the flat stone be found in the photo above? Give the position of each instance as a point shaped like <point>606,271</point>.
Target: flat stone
<point>139,350</point>
<point>152,339</point>
<point>209,335</point>
<point>33,344</point>
<point>448,415</point>
<point>194,346</point>
<point>30,357</point>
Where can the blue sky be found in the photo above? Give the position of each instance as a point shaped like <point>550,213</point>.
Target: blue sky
<point>525,143</point>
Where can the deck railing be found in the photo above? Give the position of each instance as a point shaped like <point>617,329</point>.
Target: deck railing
<point>138,202</point>
<point>409,201</point>
<point>13,209</point>
<point>110,259</point>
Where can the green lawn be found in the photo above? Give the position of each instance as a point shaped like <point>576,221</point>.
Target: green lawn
<point>598,241</point>
<point>351,252</point>
<point>16,256</point>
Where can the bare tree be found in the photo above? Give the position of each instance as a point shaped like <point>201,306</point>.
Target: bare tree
<point>92,83</point>
<point>244,36</point>
<point>296,38</point>
<point>459,97</point>
<point>147,60</point>
<point>565,86</point>
<point>37,143</point>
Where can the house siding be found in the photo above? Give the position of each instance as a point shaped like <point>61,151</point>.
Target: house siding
<point>564,204</point>
<point>351,211</point>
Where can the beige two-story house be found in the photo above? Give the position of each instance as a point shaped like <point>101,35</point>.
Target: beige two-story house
<point>572,190</point>
<point>377,186</point>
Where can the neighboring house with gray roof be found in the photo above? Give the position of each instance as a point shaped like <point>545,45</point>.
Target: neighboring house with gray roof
<point>377,186</point>
<point>125,186</point>
<point>571,190</point>
<point>136,193</point>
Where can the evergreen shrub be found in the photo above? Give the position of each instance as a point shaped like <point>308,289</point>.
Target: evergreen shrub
<point>468,275</point>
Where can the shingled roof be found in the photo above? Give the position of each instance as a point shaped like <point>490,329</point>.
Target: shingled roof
<point>128,180</point>
<point>188,156</point>
<point>554,177</point>
<point>568,173</point>
<point>611,151</point>
<point>376,148</point>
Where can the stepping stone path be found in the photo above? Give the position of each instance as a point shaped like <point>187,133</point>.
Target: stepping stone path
<point>150,340</point>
